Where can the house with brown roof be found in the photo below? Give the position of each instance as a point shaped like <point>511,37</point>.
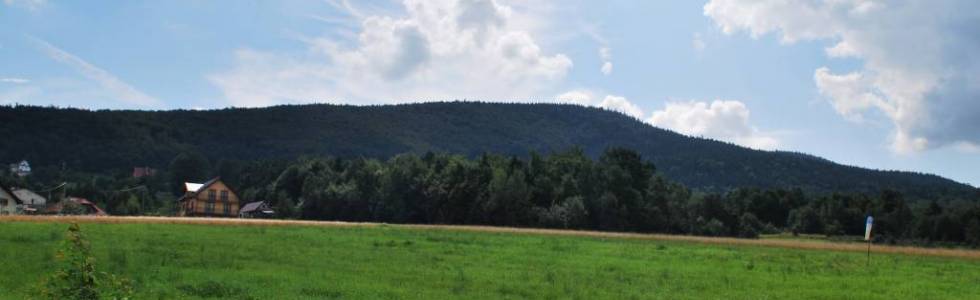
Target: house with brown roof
<point>210,199</point>
<point>140,172</point>
<point>74,206</point>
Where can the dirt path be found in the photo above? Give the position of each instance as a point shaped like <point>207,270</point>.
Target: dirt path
<point>793,244</point>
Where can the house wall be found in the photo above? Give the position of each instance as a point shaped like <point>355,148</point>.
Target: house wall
<point>8,206</point>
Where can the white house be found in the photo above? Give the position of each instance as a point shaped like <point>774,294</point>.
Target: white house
<point>21,169</point>
<point>9,203</point>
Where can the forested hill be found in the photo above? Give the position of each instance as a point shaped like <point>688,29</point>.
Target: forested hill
<point>100,141</point>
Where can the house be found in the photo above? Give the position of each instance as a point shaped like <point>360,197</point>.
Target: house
<point>9,203</point>
<point>212,199</point>
<point>86,207</point>
<point>32,201</point>
<point>258,209</point>
<point>21,169</point>
<point>140,172</point>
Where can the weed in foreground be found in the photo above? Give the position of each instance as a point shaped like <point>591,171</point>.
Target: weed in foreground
<point>77,277</point>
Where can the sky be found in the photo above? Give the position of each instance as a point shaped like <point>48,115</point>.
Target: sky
<point>880,84</point>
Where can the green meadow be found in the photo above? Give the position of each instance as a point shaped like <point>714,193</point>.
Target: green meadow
<point>171,261</point>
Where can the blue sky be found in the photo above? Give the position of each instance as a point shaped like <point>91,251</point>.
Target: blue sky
<point>844,79</point>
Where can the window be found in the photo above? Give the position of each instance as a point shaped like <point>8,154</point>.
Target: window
<point>209,207</point>
<point>3,202</point>
<point>224,196</point>
<point>227,208</point>
<point>211,196</point>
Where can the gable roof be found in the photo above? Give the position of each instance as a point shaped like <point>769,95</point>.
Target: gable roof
<point>197,187</point>
<point>252,206</point>
<point>25,194</point>
<point>12,195</point>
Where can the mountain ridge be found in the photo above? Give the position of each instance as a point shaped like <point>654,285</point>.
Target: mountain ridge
<point>111,139</point>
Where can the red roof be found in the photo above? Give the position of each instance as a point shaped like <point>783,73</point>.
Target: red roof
<point>143,171</point>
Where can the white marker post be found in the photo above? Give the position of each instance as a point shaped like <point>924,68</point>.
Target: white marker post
<point>867,236</point>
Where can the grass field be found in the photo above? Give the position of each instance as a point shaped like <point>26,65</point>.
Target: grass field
<point>272,261</point>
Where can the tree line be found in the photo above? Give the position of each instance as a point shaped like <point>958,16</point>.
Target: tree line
<point>618,191</point>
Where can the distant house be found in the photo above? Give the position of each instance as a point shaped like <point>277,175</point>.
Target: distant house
<point>87,207</point>
<point>9,203</point>
<point>210,199</point>
<point>32,201</point>
<point>21,169</point>
<point>258,209</point>
<point>140,172</point>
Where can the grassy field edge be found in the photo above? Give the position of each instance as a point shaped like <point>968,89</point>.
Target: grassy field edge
<point>779,243</point>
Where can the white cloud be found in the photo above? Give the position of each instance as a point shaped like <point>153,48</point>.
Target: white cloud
<point>580,97</point>
<point>697,42</point>
<point>31,5</point>
<point>606,69</point>
<point>110,83</point>
<point>921,59</point>
<point>622,105</point>
<point>14,80</point>
<point>439,50</point>
<point>967,147</point>
<point>725,120</point>
<point>605,54</point>
<point>610,102</point>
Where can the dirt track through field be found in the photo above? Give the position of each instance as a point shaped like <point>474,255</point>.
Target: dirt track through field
<point>793,244</point>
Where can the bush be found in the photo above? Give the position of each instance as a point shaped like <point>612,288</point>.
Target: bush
<point>749,226</point>
<point>77,277</point>
<point>712,228</point>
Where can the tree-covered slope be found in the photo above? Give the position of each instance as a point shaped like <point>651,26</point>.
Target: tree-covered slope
<point>114,140</point>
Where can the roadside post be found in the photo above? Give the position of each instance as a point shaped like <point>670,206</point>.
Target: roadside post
<point>867,236</point>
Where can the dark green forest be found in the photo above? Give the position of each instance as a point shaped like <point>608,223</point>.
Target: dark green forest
<point>618,191</point>
<point>116,141</point>
<point>553,166</point>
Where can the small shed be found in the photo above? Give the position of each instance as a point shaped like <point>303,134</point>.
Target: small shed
<point>257,209</point>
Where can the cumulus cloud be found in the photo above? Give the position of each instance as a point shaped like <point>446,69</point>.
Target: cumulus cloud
<point>622,105</point>
<point>921,59</point>
<point>610,102</point>
<point>725,120</point>
<point>580,97</point>
<point>454,49</point>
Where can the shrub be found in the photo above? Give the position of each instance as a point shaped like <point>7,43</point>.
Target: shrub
<point>77,277</point>
<point>749,226</point>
